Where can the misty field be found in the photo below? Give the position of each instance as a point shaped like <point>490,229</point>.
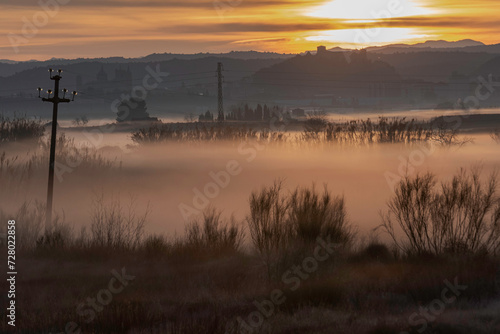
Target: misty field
<point>387,225</point>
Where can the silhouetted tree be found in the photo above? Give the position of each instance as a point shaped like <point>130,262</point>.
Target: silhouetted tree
<point>208,117</point>
<point>258,113</point>
<point>249,115</point>
<point>266,113</point>
<point>132,110</point>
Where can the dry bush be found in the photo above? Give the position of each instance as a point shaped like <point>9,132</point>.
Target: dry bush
<point>446,135</point>
<point>59,237</point>
<point>155,246</point>
<point>312,215</point>
<point>283,227</point>
<point>115,227</point>
<point>460,216</point>
<point>267,222</point>
<point>211,235</point>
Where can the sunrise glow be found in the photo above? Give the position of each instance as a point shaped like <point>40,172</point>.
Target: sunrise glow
<point>132,29</point>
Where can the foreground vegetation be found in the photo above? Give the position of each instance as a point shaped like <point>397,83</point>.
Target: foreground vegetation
<point>20,129</point>
<point>300,244</point>
<point>295,264</point>
<point>16,170</point>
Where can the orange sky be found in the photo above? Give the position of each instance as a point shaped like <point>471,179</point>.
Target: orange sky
<point>103,28</point>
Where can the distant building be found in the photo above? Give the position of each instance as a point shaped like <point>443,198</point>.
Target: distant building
<point>102,76</point>
<point>321,50</point>
<point>122,82</point>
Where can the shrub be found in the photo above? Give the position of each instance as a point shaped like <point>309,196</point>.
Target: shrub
<point>446,135</point>
<point>282,227</point>
<point>211,235</point>
<point>115,227</point>
<point>267,222</point>
<point>312,215</point>
<point>155,246</point>
<point>374,252</point>
<point>58,238</point>
<point>460,216</point>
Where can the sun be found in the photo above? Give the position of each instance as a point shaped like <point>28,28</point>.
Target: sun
<point>369,12</point>
<point>368,9</point>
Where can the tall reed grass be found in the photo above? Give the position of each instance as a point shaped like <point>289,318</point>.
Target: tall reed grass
<point>20,129</point>
<point>315,130</point>
<point>16,169</point>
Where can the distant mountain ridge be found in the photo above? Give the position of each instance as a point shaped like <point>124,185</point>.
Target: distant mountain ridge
<point>465,45</point>
<point>440,44</point>
<point>160,57</point>
<point>10,67</point>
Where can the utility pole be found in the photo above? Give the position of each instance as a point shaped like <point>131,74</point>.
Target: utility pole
<point>55,100</point>
<point>220,118</point>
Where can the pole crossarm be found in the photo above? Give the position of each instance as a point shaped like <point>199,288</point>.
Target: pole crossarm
<point>53,100</point>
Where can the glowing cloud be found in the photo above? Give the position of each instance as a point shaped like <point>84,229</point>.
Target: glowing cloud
<point>366,10</point>
<point>367,36</point>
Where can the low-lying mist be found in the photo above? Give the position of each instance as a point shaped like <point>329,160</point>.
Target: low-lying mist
<point>179,180</point>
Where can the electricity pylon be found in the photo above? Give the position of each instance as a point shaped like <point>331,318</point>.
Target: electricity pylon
<point>220,118</point>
